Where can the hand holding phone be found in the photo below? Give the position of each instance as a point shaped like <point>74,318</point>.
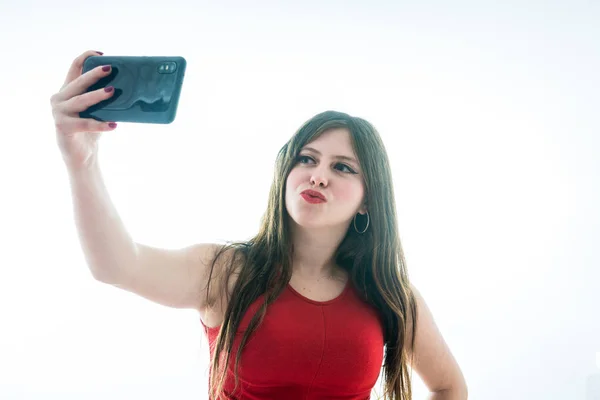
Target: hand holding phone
<point>85,107</point>
<point>77,137</point>
<point>146,89</point>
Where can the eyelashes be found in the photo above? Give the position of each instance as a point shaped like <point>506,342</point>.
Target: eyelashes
<point>348,170</point>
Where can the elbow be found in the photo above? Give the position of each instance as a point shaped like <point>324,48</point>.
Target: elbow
<point>101,275</point>
<point>111,276</point>
<point>115,270</point>
<point>463,393</point>
<point>454,393</point>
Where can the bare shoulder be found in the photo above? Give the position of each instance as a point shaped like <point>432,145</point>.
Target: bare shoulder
<point>433,361</point>
<point>227,266</point>
<point>220,265</point>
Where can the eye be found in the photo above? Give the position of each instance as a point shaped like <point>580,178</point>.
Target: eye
<point>301,158</point>
<point>348,169</point>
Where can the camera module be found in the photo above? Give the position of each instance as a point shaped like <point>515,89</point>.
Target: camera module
<point>167,67</point>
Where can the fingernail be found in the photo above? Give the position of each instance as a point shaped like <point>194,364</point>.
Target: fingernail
<point>108,89</point>
<point>112,125</point>
<point>101,53</point>
<point>106,68</point>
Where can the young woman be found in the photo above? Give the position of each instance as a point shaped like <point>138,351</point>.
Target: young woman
<point>312,306</point>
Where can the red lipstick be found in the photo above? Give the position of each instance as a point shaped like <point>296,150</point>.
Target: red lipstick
<point>313,197</point>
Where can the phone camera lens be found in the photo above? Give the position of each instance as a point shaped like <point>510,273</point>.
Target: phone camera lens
<point>167,67</point>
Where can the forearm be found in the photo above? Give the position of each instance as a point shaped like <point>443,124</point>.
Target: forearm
<point>106,244</point>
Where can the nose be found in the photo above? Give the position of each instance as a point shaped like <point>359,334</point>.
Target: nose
<point>320,180</point>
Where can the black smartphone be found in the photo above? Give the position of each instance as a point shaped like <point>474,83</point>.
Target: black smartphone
<point>146,88</point>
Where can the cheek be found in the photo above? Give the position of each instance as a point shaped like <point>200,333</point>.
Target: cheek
<point>291,186</point>
<point>294,179</point>
<point>351,192</point>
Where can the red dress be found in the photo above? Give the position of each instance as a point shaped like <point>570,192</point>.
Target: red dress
<point>306,349</point>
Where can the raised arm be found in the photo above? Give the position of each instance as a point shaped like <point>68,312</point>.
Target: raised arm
<point>175,278</point>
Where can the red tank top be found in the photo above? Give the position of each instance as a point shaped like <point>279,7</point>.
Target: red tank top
<point>306,349</point>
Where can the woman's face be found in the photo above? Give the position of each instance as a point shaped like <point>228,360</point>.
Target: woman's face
<point>329,166</point>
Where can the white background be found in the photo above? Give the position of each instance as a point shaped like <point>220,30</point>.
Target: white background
<point>490,116</point>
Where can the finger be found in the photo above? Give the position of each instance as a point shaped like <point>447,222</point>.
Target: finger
<point>83,82</point>
<point>71,125</point>
<point>84,101</point>
<point>77,66</point>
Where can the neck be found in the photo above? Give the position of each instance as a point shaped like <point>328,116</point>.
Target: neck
<point>314,250</point>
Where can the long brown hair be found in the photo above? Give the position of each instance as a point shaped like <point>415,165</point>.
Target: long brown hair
<point>374,260</point>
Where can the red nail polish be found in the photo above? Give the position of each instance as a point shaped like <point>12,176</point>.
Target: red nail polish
<point>112,125</point>
<point>101,53</point>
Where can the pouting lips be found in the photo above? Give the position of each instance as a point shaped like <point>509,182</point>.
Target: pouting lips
<point>312,198</point>
<point>312,194</point>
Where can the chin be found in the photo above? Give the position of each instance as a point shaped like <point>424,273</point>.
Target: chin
<point>306,222</point>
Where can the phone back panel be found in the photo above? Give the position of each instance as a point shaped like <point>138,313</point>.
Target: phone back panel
<point>146,88</point>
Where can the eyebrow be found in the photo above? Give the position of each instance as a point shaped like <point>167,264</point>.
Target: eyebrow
<point>351,159</point>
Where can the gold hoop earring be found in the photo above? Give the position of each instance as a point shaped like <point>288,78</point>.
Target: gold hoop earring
<point>366,227</point>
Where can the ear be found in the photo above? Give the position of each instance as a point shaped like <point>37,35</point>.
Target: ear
<point>363,209</point>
